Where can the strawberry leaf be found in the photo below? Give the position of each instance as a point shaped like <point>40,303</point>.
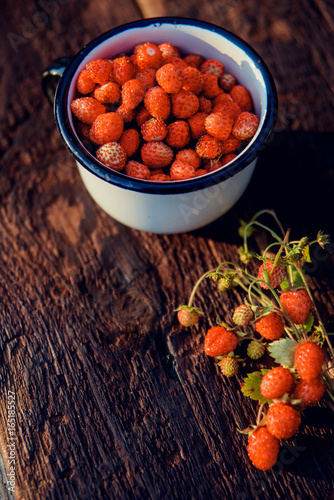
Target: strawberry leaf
<point>283,351</point>
<point>251,386</point>
<point>296,282</point>
<point>189,308</point>
<point>308,323</point>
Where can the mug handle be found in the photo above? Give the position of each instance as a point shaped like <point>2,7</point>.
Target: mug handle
<point>51,76</point>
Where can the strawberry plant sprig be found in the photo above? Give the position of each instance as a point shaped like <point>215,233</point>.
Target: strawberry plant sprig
<point>279,316</point>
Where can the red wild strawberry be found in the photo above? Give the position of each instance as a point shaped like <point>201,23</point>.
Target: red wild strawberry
<point>169,79</point>
<point>142,115</point>
<point>282,420</point>
<point>157,103</point>
<point>99,70</point>
<point>309,391</point>
<point>210,87</point>
<point>194,60</point>
<point>309,358</point>
<point>276,274</point>
<point>122,70</point>
<point>137,170</point>
<point>146,77</point>
<point>126,114</point>
<point>189,156</point>
<point>169,50</point>
<point>192,79</point>
<point>242,96</point>
<point>160,177</point>
<point>219,125</point>
<point>184,104</point>
<point>156,154</point>
<point>181,170</point>
<point>227,81</point>
<point>148,55</point>
<point>297,304</point>
<point>227,158</point>
<point>212,66</point>
<point>176,61</point>
<point>219,341</point>
<point>178,134</point>
<point>243,315</point>
<point>205,104</point>
<point>229,366</point>
<point>108,93</point>
<point>113,155</point>
<point>246,124</point>
<point>197,124</point>
<point>153,130</point>
<point>221,97</point>
<point>130,140</point>
<point>107,127</point>
<point>188,317</point>
<point>214,164</point>
<point>276,383</point>
<point>228,107</point>
<point>262,448</point>
<point>231,145</point>
<point>132,93</point>
<point>87,109</point>
<point>270,327</point>
<point>201,171</point>
<point>85,85</point>
<point>208,147</point>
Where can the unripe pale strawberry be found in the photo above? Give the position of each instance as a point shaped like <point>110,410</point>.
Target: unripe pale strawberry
<point>255,350</point>
<point>276,274</point>
<point>229,366</point>
<point>243,315</point>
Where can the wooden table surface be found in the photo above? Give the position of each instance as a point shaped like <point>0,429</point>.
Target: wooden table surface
<point>113,400</point>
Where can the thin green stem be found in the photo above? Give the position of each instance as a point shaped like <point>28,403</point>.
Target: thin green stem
<point>197,284</point>
<point>254,221</point>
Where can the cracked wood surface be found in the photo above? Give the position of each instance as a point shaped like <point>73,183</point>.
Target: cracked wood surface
<point>113,399</point>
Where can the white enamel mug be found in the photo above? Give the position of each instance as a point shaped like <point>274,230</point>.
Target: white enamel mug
<point>175,206</point>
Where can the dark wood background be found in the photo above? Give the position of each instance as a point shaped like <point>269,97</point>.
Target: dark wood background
<point>114,399</point>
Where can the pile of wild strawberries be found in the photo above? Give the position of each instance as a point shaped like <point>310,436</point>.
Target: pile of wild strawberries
<point>158,116</point>
<point>278,316</point>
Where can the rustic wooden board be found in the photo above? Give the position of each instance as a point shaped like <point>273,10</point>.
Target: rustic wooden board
<point>114,400</point>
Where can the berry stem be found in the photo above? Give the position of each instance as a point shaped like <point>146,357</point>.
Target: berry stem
<point>197,284</point>
<point>254,221</point>
<point>259,415</point>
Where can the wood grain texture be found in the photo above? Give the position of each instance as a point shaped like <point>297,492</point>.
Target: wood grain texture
<point>114,399</point>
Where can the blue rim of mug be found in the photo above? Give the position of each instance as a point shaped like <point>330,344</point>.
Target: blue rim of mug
<point>87,160</point>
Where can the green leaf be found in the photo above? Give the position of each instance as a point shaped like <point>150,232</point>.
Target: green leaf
<point>189,308</point>
<point>319,336</point>
<point>251,386</point>
<point>297,282</point>
<point>242,229</point>
<point>306,254</point>
<point>283,351</point>
<point>307,325</point>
